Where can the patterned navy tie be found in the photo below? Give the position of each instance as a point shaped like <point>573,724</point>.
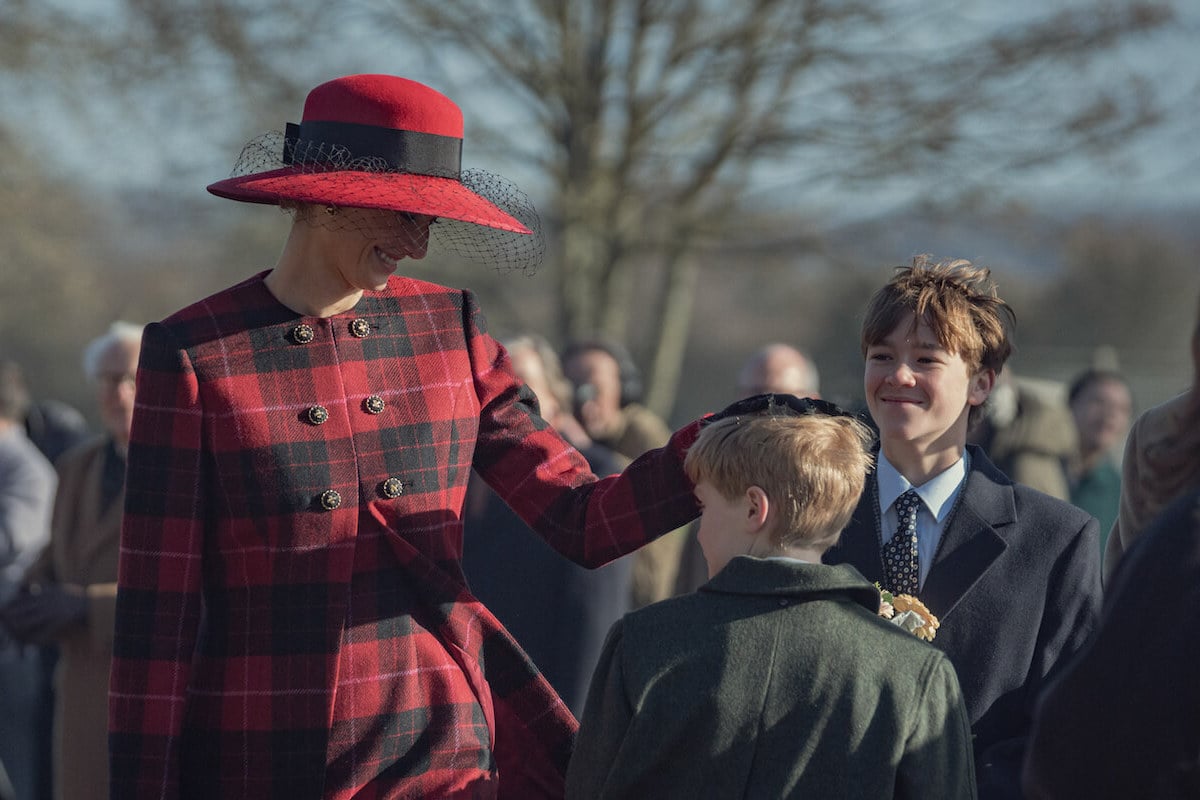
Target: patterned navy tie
<point>901,566</point>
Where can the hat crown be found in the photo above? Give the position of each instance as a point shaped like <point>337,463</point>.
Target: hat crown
<point>384,101</point>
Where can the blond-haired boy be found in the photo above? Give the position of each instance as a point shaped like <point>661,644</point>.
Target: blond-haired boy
<point>777,678</point>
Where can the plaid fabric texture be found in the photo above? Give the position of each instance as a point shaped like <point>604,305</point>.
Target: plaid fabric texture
<point>292,619</point>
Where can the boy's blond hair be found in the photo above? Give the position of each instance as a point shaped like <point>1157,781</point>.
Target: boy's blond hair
<point>958,300</point>
<point>811,467</point>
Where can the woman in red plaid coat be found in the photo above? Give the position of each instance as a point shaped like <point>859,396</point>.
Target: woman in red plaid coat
<point>292,620</point>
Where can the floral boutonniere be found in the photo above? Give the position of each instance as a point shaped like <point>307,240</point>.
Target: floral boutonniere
<point>909,613</point>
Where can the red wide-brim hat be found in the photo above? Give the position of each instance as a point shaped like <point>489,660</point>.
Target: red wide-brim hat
<point>373,141</point>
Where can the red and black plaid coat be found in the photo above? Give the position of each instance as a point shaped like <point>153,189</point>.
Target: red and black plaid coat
<point>292,620</point>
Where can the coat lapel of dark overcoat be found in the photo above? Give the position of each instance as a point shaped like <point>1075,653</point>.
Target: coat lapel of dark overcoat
<point>972,541</point>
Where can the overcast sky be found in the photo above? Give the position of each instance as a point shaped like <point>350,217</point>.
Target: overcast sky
<point>1161,168</point>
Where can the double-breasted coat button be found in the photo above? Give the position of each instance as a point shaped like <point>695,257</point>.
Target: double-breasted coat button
<point>330,500</point>
<point>360,328</point>
<point>393,487</point>
<point>303,333</point>
<point>318,415</point>
<point>374,404</point>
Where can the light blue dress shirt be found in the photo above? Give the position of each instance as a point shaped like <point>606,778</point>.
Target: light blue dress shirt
<point>937,500</point>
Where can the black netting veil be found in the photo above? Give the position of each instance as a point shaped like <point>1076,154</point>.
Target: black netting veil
<point>471,209</point>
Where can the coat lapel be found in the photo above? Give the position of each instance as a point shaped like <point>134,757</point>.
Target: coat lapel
<point>970,544</point>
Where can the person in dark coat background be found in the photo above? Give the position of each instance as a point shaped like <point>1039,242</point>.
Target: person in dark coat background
<point>1123,718</point>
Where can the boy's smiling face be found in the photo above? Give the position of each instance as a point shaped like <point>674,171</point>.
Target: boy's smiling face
<point>918,392</point>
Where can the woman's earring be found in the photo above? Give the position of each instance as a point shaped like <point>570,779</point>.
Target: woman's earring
<point>331,210</point>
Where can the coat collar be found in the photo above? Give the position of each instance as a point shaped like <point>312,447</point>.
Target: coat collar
<point>771,577</point>
<point>972,541</point>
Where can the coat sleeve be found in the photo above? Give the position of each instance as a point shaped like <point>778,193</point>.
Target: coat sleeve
<point>606,719</point>
<point>158,595</point>
<point>938,761</point>
<point>549,484</point>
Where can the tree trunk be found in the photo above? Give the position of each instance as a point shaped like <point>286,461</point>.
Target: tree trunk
<point>672,323</point>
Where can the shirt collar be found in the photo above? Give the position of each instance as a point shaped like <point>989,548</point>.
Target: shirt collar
<point>937,493</point>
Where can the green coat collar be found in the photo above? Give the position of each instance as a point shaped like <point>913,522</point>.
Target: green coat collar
<point>787,578</point>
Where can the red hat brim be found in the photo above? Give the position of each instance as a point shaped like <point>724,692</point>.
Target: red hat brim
<point>394,191</point>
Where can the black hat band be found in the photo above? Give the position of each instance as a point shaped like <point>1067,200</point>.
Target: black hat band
<point>406,151</point>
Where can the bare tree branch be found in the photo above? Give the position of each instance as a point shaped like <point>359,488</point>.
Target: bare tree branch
<point>646,121</point>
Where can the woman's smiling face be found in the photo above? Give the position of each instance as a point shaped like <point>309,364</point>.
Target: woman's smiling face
<point>368,248</point>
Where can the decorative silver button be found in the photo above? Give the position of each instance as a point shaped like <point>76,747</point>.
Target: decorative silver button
<point>303,333</point>
<point>360,328</point>
<point>318,415</point>
<point>393,487</point>
<point>374,404</point>
<point>330,500</point>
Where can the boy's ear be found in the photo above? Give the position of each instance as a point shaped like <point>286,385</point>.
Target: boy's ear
<point>758,507</point>
<point>980,387</point>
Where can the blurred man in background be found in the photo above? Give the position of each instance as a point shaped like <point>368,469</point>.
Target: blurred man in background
<point>1102,406</point>
<point>779,369</point>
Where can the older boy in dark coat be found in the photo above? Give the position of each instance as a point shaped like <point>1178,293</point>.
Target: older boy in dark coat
<point>1013,574</point>
<point>777,678</point>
